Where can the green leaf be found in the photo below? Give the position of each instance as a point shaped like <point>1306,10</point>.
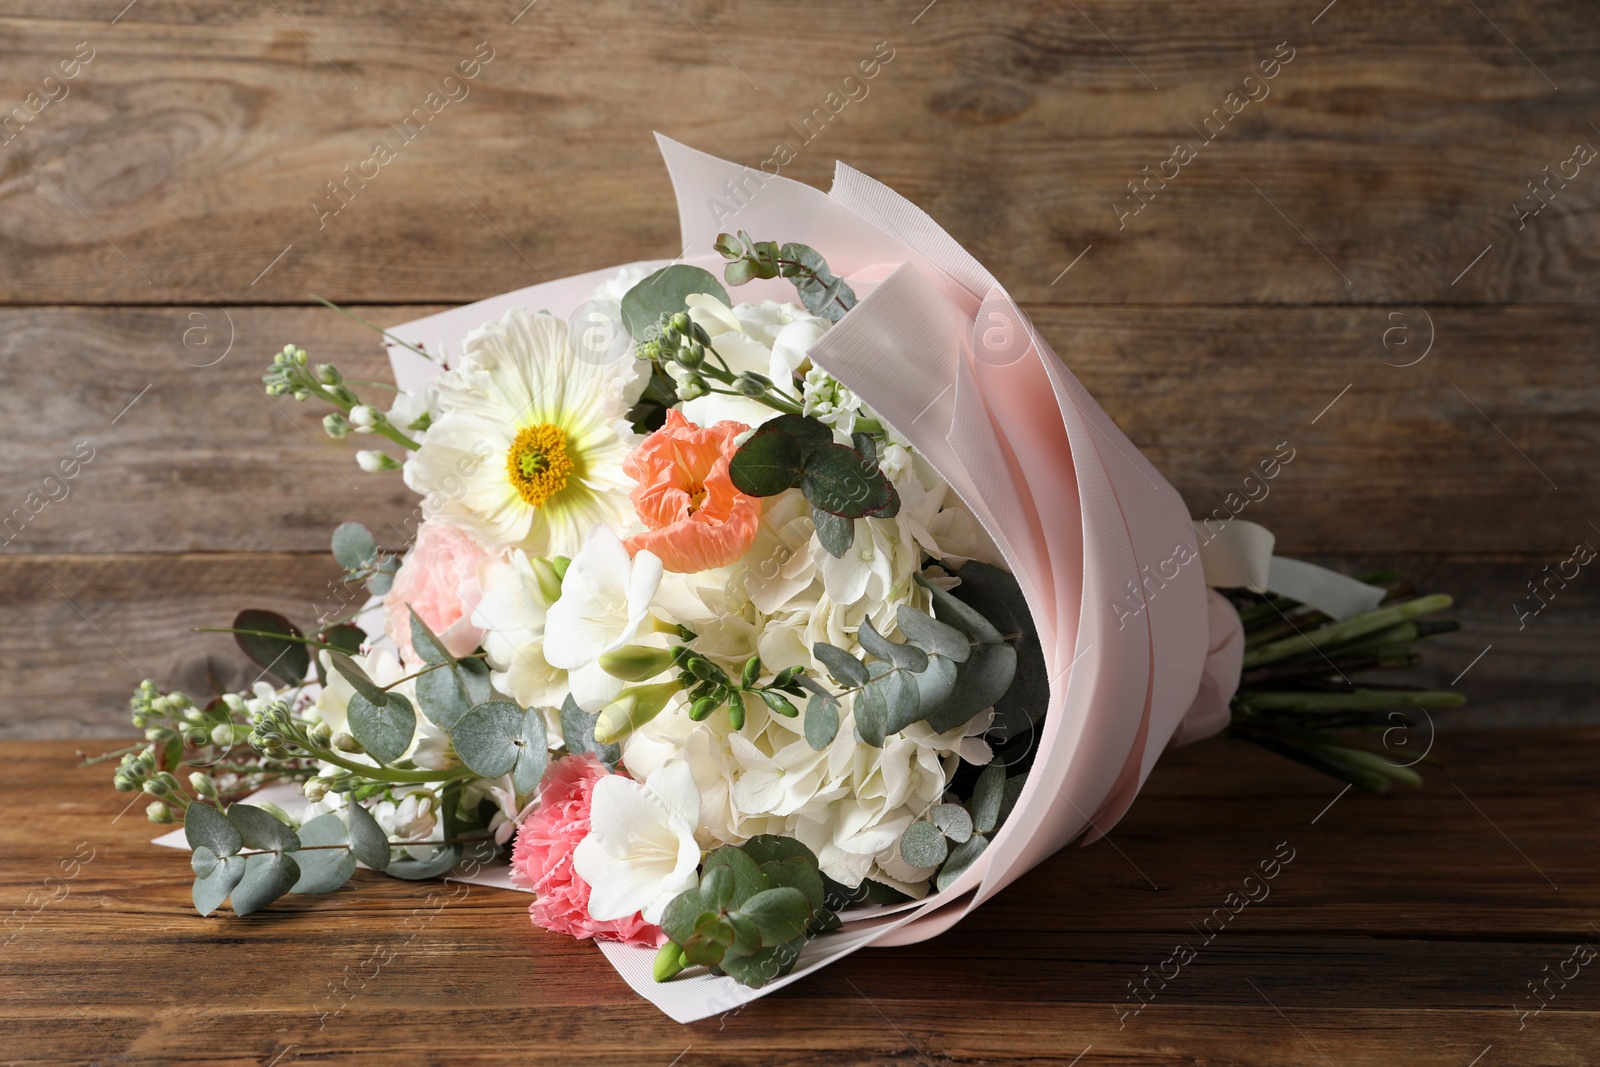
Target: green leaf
<point>984,804</point>
<point>206,827</point>
<point>426,642</point>
<point>980,683</point>
<point>770,463</point>
<point>203,862</point>
<point>357,677</point>
<point>822,722</point>
<point>953,821</point>
<point>682,914</point>
<point>838,480</point>
<point>922,845</point>
<point>368,840</point>
<point>959,615</point>
<point>1009,795</point>
<point>842,667</point>
<point>354,547</point>
<point>866,446</point>
<point>664,292</point>
<point>806,429</point>
<point>347,637</point>
<point>934,686</point>
<point>780,913</point>
<point>211,890</point>
<point>260,829</point>
<point>441,861</point>
<point>443,696</point>
<point>385,730</point>
<point>746,934</point>
<point>475,675</point>
<point>497,737</point>
<point>887,704</point>
<point>908,656</point>
<point>285,658</point>
<point>998,597</point>
<point>717,888</point>
<point>931,635</point>
<point>759,968</point>
<point>835,533</point>
<point>748,879</point>
<point>961,858</point>
<point>267,876</point>
<point>796,872</point>
<point>823,293</point>
<point>577,733</point>
<point>323,870</point>
<point>775,848</point>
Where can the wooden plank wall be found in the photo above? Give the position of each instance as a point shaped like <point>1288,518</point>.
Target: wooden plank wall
<point>1351,261</point>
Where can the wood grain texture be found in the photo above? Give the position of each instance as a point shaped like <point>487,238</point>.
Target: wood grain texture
<point>1404,929</point>
<point>1446,457</point>
<point>188,154</point>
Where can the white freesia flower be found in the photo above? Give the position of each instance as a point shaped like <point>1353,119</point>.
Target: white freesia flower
<point>517,594</point>
<point>767,338</point>
<point>640,851</point>
<point>605,599</point>
<point>529,444</point>
<point>414,411</point>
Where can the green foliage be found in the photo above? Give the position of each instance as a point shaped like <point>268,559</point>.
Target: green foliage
<point>426,642</point>
<point>323,866</point>
<point>822,721</point>
<point>354,548</point>
<point>439,861</point>
<point>385,730</point>
<point>835,533</point>
<point>823,293</point>
<point>754,908</point>
<point>923,845</point>
<point>961,857</point>
<point>274,644</point>
<point>986,798</point>
<point>368,841</point>
<point>577,733</point>
<point>997,597</point>
<point>258,828</point>
<point>497,737</point>
<point>944,672</point>
<point>664,293</point>
<point>206,827</point>
<point>953,821</point>
<point>796,451</point>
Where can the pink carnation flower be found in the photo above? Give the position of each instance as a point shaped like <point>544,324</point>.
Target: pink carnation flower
<point>438,580</point>
<point>541,859</point>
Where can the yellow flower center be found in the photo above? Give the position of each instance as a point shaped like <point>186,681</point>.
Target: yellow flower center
<point>538,463</point>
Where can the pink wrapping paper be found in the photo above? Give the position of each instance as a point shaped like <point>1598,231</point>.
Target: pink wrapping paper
<point>938,348</point>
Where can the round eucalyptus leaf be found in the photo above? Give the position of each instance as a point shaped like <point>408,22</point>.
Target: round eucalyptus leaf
<point>426,642</point>
<point>322,870</point>
<point>842,667</point>
<point>203,862</point>
<point>205,826</point>
<point>923,845</point>
<point>267,876</point>
<point>212,889</point>
<point>779,913</point>
<point>961,858</point>
<point>497,737</point>
<point>353,547</point>
<point>285,657</point>
<point>384,730</point>
<point>953,821</point>
<point>437,862</point>
<point>368,840</point>
<point>822,722</point>
<point>931,635</point>
<point>908,656</point>
<point>261,829</point>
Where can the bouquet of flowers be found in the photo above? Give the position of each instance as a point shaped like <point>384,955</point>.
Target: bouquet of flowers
<point>746,631</point>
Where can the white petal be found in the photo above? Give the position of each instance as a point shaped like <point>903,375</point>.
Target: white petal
<point>674,784</point>
<point>627,886</point>
<point>592,687</point>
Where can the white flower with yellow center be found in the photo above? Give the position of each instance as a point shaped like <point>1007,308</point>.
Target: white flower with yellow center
<point>529,444</point>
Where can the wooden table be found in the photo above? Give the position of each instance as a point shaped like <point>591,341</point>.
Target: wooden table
<point>1396,930</point>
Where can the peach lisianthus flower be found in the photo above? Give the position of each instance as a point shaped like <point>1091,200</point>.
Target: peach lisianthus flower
<point>438,580</point>
<point>541,859</point>
<point>694,517</point>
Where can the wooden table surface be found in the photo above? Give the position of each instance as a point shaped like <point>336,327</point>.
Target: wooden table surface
<point>1377,262</point>
<point>1397,930</point>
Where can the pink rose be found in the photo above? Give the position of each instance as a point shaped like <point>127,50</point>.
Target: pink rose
<point>541,859</point>
<point>438,579</point>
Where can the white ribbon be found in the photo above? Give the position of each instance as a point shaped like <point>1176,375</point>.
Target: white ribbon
<point>1239,556</point>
